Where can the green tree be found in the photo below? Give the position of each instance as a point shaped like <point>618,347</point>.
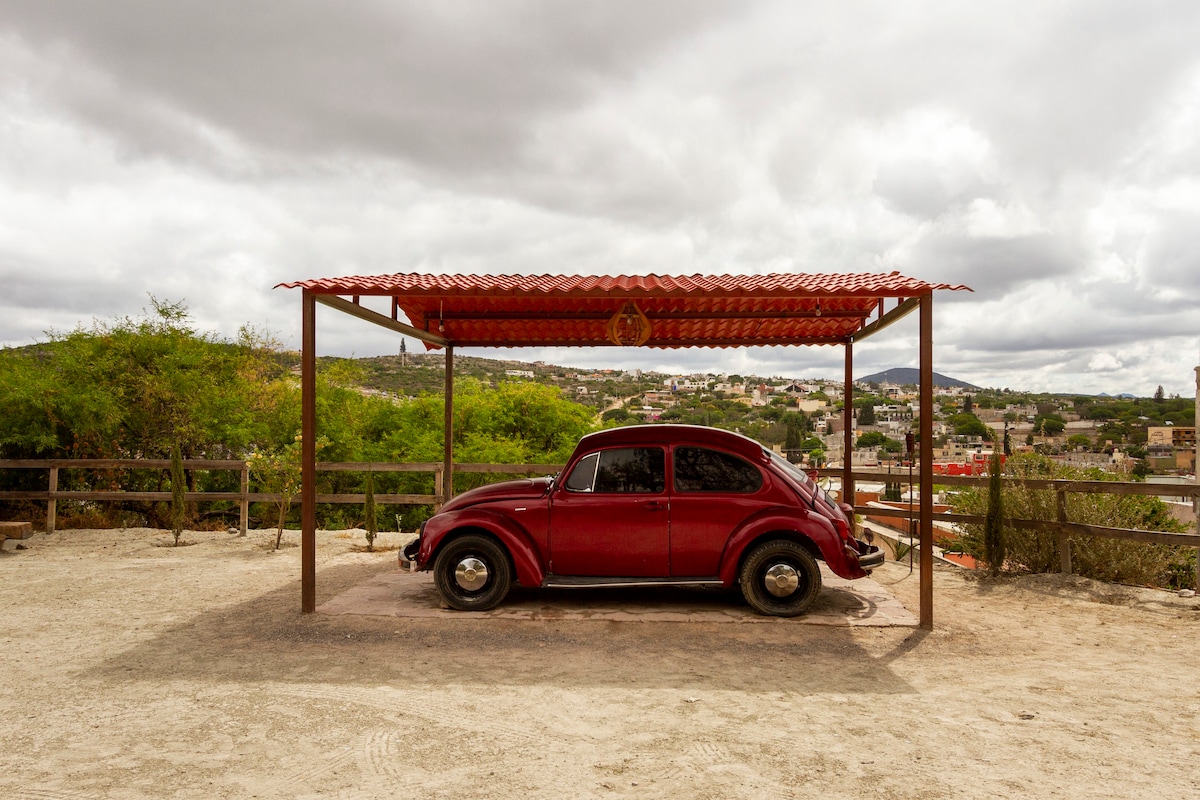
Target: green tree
<point>866,413</point>
<point>870,439</point>
<point>792,440</point>
<point>1079,440</point>
<point>618,415</point>
<point>178,494</point>
<point>136,387</point>
<point>1049,424</point>
<point>970,425</point>
<point>994,544</point>
<point>278,472</point>
<point>370,524</point>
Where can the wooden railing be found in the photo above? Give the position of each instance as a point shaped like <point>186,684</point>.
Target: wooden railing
<point>244,496</point>
<point>1061,525</point>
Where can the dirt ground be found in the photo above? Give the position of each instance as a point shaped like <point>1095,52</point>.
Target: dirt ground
<point>136,670</point>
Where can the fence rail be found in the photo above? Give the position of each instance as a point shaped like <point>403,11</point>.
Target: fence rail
<point>244,497</point>
<point>1061,526</point>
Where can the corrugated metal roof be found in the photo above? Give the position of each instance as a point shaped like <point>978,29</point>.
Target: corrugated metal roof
<point>682,310</point>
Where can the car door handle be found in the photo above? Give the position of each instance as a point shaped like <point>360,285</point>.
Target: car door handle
<point>657,505</point>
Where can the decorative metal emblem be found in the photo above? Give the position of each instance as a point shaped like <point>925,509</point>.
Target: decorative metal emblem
<point>629,326</point>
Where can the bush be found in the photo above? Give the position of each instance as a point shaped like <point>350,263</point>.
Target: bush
<point>1101,558</point>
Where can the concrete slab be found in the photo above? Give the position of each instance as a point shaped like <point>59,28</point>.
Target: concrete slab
<point>841,603</point>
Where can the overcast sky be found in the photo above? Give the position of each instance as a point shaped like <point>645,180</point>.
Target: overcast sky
<point>1045,153</point>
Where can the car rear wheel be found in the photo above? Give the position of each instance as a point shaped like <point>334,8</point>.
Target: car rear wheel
<point>472,573</point>
<point>780,579</point>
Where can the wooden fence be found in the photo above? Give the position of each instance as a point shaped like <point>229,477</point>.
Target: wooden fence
<point>244,496</point>
<point>1061,526</point>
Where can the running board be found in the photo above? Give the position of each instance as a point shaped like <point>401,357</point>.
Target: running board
<point>586,582</point>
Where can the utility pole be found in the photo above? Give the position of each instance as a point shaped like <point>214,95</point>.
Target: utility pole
<point>1196,474</point>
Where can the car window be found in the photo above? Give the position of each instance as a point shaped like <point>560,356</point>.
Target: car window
<point>699,469</point>
<point>584,474</point>
<point>623,470</point>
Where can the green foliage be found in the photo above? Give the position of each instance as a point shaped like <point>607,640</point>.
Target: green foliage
<point>994,544</point>
<point>1101,558</point>
<point>812,443</point>
<point>135,387</point>
<point>870,439</point>
<point>792,440</point>
<point>1079,440</point>
<point>615,415</point>
<point>369,522</point>
<point>178,494</point>
<point>966,424</point>
<point>278,472</point>
<point>1049,424</point>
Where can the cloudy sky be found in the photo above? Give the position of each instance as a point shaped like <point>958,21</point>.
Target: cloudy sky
<point>1045,153</point>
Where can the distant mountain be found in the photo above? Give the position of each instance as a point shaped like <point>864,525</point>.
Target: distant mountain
<point>905,376</point>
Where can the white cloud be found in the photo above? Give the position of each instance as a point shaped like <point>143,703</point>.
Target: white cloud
<point>1044,153</point>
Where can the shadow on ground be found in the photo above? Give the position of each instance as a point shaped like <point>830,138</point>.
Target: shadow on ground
<point>840,603</point>
<point>265,638</point>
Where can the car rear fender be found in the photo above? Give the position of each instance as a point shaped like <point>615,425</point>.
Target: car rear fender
<point>812,531</point>
<point>515,539</point>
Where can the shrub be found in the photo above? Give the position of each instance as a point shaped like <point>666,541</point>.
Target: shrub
<point>994,545</point>
<point>178,494</point>
<point>370,524</point>
<point>1101,558</point>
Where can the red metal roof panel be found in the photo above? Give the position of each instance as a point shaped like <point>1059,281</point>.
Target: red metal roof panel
<point>682,310</point>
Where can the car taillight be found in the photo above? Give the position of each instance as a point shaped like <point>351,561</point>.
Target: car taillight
<point>843,528</point>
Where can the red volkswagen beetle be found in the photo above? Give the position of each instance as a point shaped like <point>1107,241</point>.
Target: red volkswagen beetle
<point>647,505</point>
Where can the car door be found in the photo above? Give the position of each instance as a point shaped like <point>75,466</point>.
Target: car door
<point>610,516</point>
<point>712,493</point>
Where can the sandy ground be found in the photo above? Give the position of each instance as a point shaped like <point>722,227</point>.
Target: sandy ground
<point>134,670</point>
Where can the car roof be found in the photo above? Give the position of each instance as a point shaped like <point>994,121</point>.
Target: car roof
<point>675,434</point>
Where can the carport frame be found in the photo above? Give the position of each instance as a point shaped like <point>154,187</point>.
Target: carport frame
<point>917,296</point>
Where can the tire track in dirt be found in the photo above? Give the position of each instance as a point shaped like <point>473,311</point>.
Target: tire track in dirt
<point>421,747</point>
<point>54,794</point>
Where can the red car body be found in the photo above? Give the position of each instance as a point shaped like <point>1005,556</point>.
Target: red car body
<point>647,505</point>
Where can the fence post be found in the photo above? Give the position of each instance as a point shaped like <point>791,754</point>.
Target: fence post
<point>244,520</point>
<point>1064,543</point>
<point>52,503</point>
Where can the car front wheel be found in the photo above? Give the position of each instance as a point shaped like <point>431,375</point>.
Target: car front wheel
<point>780,579</point>
<point>472,573</point>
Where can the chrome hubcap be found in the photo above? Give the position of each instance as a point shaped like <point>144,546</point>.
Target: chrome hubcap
<point>781,579</point>
<point>471,574</point>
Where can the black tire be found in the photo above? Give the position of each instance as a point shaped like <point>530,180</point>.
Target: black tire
<point>472,573</point>
<point>780,579</point>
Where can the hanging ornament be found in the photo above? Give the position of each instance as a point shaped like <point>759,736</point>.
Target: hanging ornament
<point>629,326</point>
